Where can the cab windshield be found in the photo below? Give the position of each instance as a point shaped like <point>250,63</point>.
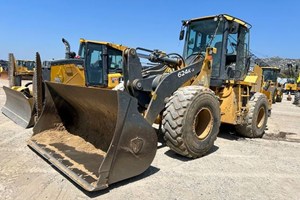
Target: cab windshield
<point>270,75</point>
<point>203,34</point>
<point>229,38</point>
<point>30,65</point>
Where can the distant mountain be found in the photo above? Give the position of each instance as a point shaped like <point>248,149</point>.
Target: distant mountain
<point>281,62</point>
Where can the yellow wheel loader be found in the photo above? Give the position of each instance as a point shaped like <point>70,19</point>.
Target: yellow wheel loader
<point>291,86</point>
<point>271,84</point>
<point>23,69</point>
<point>98,136</point>
<point>255,76</point>
<point>103,63</point>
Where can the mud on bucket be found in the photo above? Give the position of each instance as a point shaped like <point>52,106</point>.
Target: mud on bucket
<point>95,136</point>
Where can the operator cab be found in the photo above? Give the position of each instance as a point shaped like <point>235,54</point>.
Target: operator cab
<point>270,74</point>
<point>100,60</point>
<point>229,35</point>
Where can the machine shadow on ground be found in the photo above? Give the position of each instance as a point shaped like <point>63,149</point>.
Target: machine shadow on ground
<point>174,155</point>
<point>228,132</point>
<point>149,172</point>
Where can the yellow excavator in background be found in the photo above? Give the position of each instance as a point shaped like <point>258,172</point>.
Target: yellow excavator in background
<point>102,61</point>
<point>98,137</point>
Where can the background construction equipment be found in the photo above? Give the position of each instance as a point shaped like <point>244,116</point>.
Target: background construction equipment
<point>271,83</point>
<point>106,73</point>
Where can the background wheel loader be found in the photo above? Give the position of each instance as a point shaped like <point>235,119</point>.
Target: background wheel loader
<point>291,86</point>
<point>98,137</point>
<point>22,69</point>
<point>103,63</point>
<point>297,94</point>
<point>271,84</point>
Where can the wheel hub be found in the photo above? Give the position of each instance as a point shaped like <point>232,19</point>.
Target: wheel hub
<point>203,123</point>
<point>261,117</point>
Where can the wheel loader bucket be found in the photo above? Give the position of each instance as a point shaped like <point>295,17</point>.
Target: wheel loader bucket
<point>95,136</point>
<point>18,107</point>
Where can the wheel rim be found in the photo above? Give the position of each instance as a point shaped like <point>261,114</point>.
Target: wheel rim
<point>261,117</point>
<point>203,123</point>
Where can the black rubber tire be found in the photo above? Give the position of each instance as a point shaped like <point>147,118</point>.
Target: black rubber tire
<point>37,87</point>
<point>297,98</point>
<point>273,91</point>
<point>179,118</point>
<point>279,96</point>
<point>250,126</point>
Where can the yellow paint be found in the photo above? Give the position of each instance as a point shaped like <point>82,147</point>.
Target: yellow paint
<point>251,79</point>
<point>230,18</point>
<point>258,84</point>
<point>204,76</point>
<point>227,17</point>
<point>228,105</point>
<point>291,87</point>
<point>70,74</point>
<point>115,46</point>
<point>113,80</point>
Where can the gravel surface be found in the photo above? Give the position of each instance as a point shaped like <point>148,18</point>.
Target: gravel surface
<point>236,168</point>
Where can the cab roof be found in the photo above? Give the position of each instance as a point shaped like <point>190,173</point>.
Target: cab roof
<point>115,46</point>
<point>227,17</point>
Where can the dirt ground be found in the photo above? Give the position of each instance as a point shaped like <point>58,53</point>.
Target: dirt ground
<point>236,168</point>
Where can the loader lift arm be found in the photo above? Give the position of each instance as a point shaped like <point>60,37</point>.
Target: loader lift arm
<point>162,86</point>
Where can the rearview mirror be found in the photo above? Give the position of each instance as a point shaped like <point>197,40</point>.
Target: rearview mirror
<point>181,35</point>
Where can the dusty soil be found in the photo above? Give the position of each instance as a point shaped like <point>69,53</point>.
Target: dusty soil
<point>55,136</point>
<point>236,168</point>
<point>284,123</point>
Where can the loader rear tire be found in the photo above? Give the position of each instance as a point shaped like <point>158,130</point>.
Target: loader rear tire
<point>273,92</point>
<point>297,98</point>
<point>256,119</point>
<point>191,121</point>
<point>279,97</point>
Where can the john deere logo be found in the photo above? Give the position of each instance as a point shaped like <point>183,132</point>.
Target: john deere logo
<point>136,144</point>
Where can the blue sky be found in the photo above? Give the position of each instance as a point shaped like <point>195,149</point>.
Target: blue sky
<point>32,25</point>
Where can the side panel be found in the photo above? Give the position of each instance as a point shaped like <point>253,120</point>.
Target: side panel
<point>69,74</point>
<point>228,105</point>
